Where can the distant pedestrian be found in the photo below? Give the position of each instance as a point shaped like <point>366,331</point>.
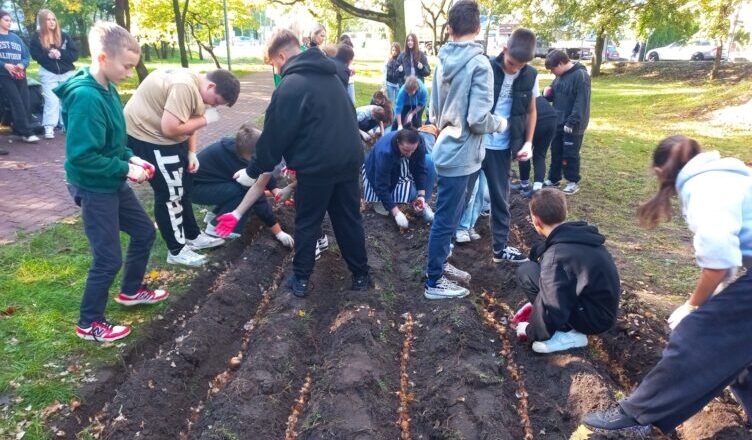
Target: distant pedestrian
<point>636,52</point>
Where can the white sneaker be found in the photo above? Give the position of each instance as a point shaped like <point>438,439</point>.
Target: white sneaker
<point>186,257</point>
<point>209,216</point>
<point>571,188</point>
<point>473,235</point>
<point>379,209</point>
<point>456,274</point>
<point>49,132</point>
<point>561,341</point>
<point>30,139</point>
<point>428,213</point>
<point>445,289</point>
<point>212,232</point>
<point>322,244</point>
<point>462,236</point>
<point>204,241</point>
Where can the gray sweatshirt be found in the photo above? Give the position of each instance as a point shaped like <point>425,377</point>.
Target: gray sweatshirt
<point>461,101</point>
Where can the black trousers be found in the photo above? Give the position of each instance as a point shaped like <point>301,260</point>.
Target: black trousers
<point>565,156</point>
<point>544,133</point>
<point>226,196</point>
<point>313,199</point>
<point>16,92</point>
<point>172,185</point>
<point>709,350</point>
<point>416,122</point>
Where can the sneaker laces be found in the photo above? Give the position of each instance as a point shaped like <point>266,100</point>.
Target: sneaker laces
<point>98,328</point>
<point>512,250</point>
<point>445,283</point>
<point>450,269</point>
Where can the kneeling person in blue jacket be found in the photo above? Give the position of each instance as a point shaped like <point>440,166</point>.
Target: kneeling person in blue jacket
<point>396,172</point>
<point>571,280</point>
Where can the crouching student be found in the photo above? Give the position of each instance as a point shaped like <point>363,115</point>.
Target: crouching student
<point>395,172</point>
<point>571,281</point>
<point>371,117</point>
<point>214,185</point>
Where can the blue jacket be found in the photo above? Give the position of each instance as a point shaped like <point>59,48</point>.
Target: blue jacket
<point>12,51</point>
<point>420,98</point>
<point>383,167</point>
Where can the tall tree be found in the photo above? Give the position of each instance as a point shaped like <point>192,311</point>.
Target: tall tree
<point>205,19</point>
<point>716,21</point>
<point>180,28</point>
<point>392,15</point>
<point>659,22</point>
<point>435,16</point>
<point>123,18</point>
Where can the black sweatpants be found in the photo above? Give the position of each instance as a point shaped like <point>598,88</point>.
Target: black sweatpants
<point>16,92</point>
<point>565,156</point>
<point>709,350</point>
<point>172,185</point>
<point>544,133</point>
<point>313,199</point>
<point>416,122</point>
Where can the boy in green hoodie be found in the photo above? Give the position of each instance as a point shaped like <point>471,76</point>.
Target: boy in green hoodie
<point>97,163</point>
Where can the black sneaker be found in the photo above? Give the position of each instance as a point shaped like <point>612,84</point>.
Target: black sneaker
<point>361,282</point>
<point>521,185</point>
<point>615,420</point>
<point>299,287</point>
<point>549,184</point>
<point>509,254</point>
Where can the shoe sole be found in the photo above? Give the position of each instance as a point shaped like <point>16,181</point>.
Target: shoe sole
<point>198,264</point>
<point>562,349</point>
<point>208,246</point>
<point>503,260</point>
<point>95,339</point>
<point>434,296</point>
<point>457,240</point>
<point>569,193</point>
<point>136,302</point>
<point>641,431</point>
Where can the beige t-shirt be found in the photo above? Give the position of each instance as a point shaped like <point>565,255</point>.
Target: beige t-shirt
<point>164,90</point>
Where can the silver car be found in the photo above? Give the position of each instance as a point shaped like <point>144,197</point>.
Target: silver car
<point>685,50</point>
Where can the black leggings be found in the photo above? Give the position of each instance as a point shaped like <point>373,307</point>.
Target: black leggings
<point>544,133</point>
<point>16,93</point>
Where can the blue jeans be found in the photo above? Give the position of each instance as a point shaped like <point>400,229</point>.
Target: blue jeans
<point>450,202</point>
<point>391,92</point>
<point>474,205</point>
<point>105,215</point>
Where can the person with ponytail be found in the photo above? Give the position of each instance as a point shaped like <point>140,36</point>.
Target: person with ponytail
<point>55,52</point>
<point>710,346</point>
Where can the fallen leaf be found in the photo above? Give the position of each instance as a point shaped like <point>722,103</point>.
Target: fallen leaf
<point>51,409</point>
<point>10,310</point>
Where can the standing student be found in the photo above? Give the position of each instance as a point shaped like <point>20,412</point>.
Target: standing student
<point>55,52</point>
<point>709,348</point>
<point>14,59</point>
<point>97,163</point>
<point>413,61</point>
<point>461,104</point>
<point>393,76</point>
<point>411,101</point>
<point>345,40</point>
<point>163,118</point>
<point>570,94</point>
<point>317,36</point>
<point>515,88</point>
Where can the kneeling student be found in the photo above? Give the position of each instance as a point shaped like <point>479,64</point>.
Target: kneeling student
<point>214,184</point>
<point>571,280</point>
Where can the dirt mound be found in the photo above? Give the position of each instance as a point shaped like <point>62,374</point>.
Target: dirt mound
<point>683,71</point>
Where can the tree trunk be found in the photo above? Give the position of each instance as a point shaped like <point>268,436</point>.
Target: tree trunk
<point>146,50</point>
<point>338,20</point>
<point>200,51</point>
<point>163,49</point>
<point>717,61</point>
<point>398,20</point>
<point>180,26</point>
<point>595,70</point>
<point>486,34</point>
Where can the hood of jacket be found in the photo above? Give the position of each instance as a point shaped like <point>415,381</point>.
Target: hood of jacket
<point>575,68</point>
<point>710,161</point>
<point>455,56</point>
<point>310,61</point>
<point>575,233</point>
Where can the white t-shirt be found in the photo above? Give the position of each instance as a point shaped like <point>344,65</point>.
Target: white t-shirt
<point>500,141</point>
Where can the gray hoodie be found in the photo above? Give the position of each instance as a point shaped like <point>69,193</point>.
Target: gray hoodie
<point>461,101</point>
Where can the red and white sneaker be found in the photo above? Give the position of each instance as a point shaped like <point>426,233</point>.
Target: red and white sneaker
<point>142,296</point>
<point>102,331</point>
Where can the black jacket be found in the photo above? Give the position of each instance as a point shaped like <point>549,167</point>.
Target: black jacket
<point>571,98</point>
<point>219,162</point>
<point>343,72</point>
<point>579,283</point>
<point>383,168</point>
<point>522,96</point>
<point>310,122</point>
<point>393,75</point>
<point>405,60</point>
<point>544,110</point>
<point>68,54</point>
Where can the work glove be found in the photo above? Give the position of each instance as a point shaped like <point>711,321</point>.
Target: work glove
<point>522,331</point>
<point>401,220</point>
<point>502,126</point>
<point>400,68</point>
<point>211,115</point>
<point>284,194</point>
<point>242,177</point>
<point>136,173</point>
<point>680,313</point>
<point>285,239</point>
<point>135,160</point>
<point>567,129</point>
<point>526,152</point>
<point>419,204</point>
<point>226,223</point>
<point>192,162</point>
<point>523,314</point>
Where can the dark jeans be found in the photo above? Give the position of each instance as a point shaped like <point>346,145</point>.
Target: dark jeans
<point>496,166</point>
<point>544,133</point>
<point>105,215</point>
<point>173,187</point>
<point>16,93</point>
<point>368,124</point>
<point>451,199</point>
<point>417,120</point>
<point>709,350</point>
<point>565,156</point>
<point>313,199</point>
<point>225,197</point>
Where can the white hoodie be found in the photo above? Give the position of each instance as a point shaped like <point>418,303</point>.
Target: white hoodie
<point>716,196</point>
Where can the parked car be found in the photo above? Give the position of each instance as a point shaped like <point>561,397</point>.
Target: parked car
<point>611,53</point>
<point>695,50</point>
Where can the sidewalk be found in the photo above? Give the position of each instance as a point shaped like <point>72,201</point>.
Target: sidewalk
<point>33,193</point>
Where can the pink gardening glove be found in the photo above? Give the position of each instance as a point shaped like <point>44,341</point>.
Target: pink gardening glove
<point>226,223</point>
<point>523,314</point>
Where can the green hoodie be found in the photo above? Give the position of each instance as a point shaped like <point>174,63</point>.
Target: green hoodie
<point>96,155</point>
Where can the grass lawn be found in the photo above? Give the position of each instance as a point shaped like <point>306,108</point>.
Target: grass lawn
<point>41,360</point>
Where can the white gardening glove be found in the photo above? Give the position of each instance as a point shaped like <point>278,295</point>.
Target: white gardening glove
<point>502,126</point>
<point>401,220</point>
<point>192,162</point>
<point>211,115</point>
<point>242,177</point>
<point>522,331</point>
<point>285,239</point>
<point>136,173</point>
<point>567,129</point>
<point>680,313</point>
<point>135,160</point>
<point>526,152</point>
<point>400,68</point>
<point>419,204</point>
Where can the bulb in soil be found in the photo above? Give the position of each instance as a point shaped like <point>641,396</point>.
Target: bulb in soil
<point>235,362</point>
